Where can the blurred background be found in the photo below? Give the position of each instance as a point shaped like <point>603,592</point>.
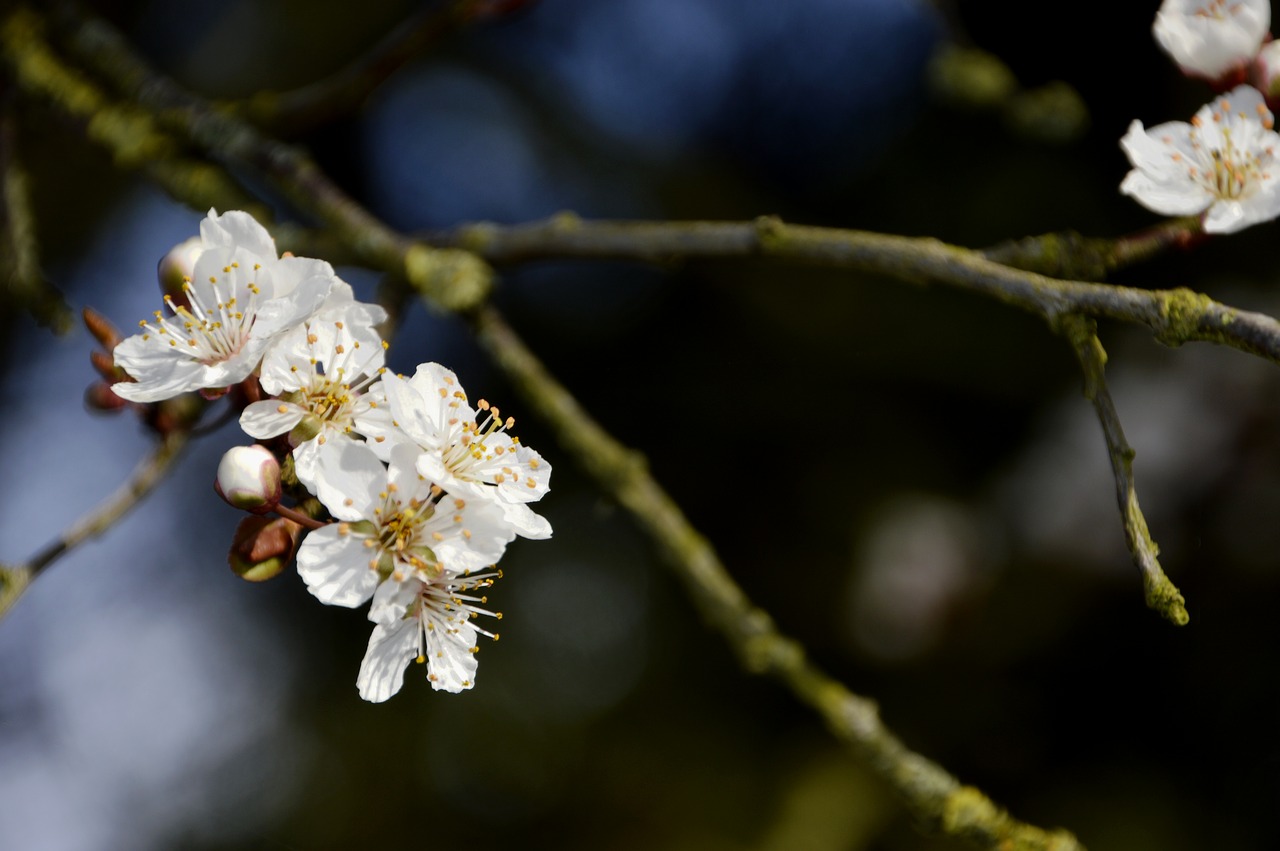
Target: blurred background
<point>933,514</point>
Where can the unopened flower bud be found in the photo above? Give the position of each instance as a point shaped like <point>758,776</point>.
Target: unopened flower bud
<point>249,478</point>
<point>1268,71</point>
<point>177,267</point>
<point>101,328</point>
<point>263,547</point>
<point>98,396</point>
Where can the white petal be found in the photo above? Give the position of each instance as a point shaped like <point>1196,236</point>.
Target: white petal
<point>409,411</point>
<point>391,647</point>
<point>349,480</point>
<point>237,228</point>
<point>336,567</point>
<point>1167,197</point>
<point>270,417</point>
<point>526,522</point>
<point>451,663</point>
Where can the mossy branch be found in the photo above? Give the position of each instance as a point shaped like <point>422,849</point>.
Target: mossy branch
<point>130,134</point>
<point>936,799</point>
<point>1175,316</point>
<point>1161,594</point>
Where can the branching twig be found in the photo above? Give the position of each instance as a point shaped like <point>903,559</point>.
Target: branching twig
<point>1161,594</point>
<point>301,109</point>
<point>149,473</point>
<point>932,795</point>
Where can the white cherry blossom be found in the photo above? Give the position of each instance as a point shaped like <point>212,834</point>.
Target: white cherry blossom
<point>1222,164</point>
<point>323,372</point>
<point>467,451</point>
<point>240,297</point>
<point>1211,38</point>
<point>429,621</point>
<point>394,526</point>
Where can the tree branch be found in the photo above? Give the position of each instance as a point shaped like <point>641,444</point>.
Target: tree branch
<point>934,797</point>
<point>1161,594</point>
<point>1175,316</point>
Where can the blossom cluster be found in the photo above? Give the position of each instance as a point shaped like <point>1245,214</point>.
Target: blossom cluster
<point>1222,165</point>
<point>423,488</point>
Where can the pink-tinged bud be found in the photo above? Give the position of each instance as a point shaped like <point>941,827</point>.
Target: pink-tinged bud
<point>105,364</point>
<point>1268,71</point>
<point>249,478</point>
<point>263,547</point>
<point>177,267</point>
<point>101,328</point>
<point>99,397</point>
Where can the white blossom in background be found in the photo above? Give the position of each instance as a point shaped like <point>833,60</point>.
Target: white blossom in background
<point>393,526</point>
<point>323,373</point>
<point>468,452</point>
<point>1222,164</point>
<point>1211,38</point>
<point>430,621</point>
<point>241,296</point>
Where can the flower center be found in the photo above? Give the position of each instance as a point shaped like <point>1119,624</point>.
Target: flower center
<point>403,535</point>
<point>211,325</point>
<point>332,399</point>
<point>1235,169</point>
<point>1218,9</point>
<point>470,452</point>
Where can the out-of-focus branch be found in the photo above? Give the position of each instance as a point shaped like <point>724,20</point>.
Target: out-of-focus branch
<point>934,797</point>
<point>975,80</point>
<point>24,284</point>
<point>303,108</point>
<point>148,474</point>
<point>130,134</point>
<point>450,279</point>
<point>1161,593</point>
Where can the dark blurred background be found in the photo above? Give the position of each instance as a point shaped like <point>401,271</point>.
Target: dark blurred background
<point>907,479</point>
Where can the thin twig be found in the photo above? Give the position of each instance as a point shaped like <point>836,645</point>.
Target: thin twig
<point>149,472</point>
<point>303,108</point>
<point>1161,594</point>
